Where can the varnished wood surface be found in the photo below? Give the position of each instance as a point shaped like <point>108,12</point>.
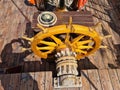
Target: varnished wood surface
<point>15,21</point>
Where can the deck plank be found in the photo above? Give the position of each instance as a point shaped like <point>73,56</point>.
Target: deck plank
<point>21,26</point>
<point>1,84</point>
<point>48,81</point>
<point>118,74</point>
<point>91,80</point>
<point>40,78</point>
<point>6,84</point>
<point>114,79</point>
<point>31,83</point>
<point>95,83</point>
<point>85,80</point>
<point>44,80</point>
<point>100,64</point>
<point>26,81</point>
<point>14,82</point>
<point>105,80</point>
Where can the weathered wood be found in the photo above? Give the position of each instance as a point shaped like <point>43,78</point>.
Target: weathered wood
<point>95,83</point>
<point>5,83</point>
<point>16,20</point>
<point>22,25</point>
<point>100,13</point>
<point>1,84</point>
<point>36,81</point>
<point>118,74</point>
<point>25,80</point>
<point>99,59</point>
<point>91,80</point>
<point>105,80</point>
<point>48,81</point>
<point>13,22</point>
<point>14,82</point>
<point>85,80</point>
<point>41,81</point>
<point>114,79</point>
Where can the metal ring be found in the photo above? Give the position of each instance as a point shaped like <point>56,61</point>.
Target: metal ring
<point>47,19</point>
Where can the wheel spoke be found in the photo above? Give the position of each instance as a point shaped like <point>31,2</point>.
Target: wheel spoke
<point>84,42</point>
<point>75,40</point>
<point>85,47</point>
<point>57,40</point>
<point>48,43</point>
<point>81,51</point>
<point>45,48</point>
<point>67,38</point>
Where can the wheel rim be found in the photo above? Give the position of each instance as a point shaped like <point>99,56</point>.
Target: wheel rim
<point>84,43</point>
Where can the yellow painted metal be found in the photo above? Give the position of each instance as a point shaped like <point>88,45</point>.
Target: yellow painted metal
<point>47,41</point>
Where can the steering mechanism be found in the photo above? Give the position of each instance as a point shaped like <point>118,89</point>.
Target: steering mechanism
<point>79,39</point>
<point>70,43</point>
<point>65,43</point>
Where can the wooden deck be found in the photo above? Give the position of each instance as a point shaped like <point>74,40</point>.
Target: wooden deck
<point>100,71</point>
<point>91,80</point>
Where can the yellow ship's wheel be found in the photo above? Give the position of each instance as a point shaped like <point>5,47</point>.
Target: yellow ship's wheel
<point>80,39</point>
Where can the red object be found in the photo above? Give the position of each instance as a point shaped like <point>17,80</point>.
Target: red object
<point>81,3</point>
